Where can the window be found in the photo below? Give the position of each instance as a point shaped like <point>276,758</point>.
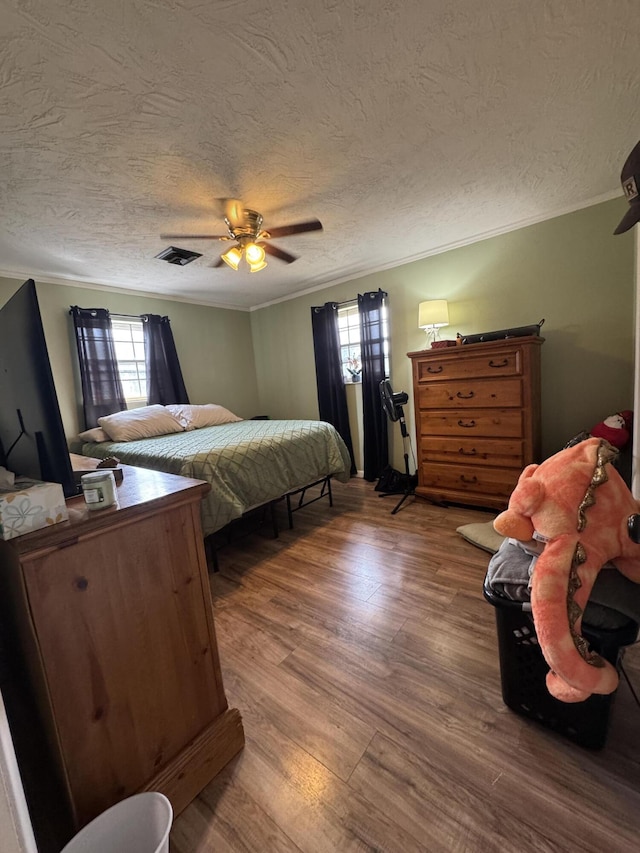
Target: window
<point>128,339</point>
<point>349,331</point>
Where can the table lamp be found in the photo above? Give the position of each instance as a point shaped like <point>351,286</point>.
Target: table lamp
<point>432,316</point>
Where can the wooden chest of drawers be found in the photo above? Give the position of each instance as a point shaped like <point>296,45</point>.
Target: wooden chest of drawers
<point>109,621</point>
<point>477,409</point>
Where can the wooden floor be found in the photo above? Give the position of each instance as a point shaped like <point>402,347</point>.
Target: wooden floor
<point>363,658</point>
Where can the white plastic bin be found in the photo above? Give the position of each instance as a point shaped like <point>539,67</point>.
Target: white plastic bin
<point>139,824</point>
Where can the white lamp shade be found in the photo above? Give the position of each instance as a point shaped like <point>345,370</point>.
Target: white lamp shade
<point>433,314</point>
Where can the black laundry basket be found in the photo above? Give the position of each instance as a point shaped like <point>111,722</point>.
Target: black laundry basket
<point>523,671</point>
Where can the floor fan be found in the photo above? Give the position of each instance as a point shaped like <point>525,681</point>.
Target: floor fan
<point>392,405</point>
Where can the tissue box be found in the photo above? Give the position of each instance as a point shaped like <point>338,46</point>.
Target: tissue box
<point>30,505</point>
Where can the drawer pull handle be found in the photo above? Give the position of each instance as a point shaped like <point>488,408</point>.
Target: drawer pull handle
<point>502,363</point>
<point>468,479</point>
<point>464,452</point>
<point>435,369</point>
<point>468,396</point>
<point>467,424</point>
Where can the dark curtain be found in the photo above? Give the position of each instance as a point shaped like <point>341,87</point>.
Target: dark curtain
<point>376,445</point>
<point>332,398</point>
<point>165,384</point>
<point>102,392</point>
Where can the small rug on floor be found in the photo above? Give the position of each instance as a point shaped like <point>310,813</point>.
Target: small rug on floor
<point>482,535</point>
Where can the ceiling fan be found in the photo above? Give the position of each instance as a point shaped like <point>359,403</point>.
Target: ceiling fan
<point>245,228</point>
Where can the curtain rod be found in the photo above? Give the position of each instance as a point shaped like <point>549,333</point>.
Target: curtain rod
<point>354,300</point>
<point>317,308</point>
<point>117,314</point>
<point>77,308</point>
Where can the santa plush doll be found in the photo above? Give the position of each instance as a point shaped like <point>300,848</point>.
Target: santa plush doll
<point>616,429</point>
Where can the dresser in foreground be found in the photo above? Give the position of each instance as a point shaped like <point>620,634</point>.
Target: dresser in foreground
<point>107,620</point>
<point>477,409</point>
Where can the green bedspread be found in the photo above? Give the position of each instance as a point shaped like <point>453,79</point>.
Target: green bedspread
<point>247,463</point>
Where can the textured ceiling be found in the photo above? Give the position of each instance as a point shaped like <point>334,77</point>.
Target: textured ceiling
<point>405,126</point>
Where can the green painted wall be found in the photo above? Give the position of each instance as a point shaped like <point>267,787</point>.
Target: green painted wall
<point>569,270</point>
<point>214,345</point>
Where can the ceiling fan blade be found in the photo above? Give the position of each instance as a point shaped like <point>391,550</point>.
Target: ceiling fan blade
<point>297,228</point>
<point>195,237</point>
<point>234,211</point>
<point>218,263</point>
<point>278,253</point>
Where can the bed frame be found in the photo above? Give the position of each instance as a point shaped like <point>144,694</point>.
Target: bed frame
<point>264,513</point>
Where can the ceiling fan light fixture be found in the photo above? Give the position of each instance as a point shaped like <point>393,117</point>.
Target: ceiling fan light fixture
<point>257,266</point>
<point>253,253</point>
<point>232,257</point>
<point>244,227</point>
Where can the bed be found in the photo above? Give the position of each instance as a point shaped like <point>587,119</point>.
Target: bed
<point>248,463</point>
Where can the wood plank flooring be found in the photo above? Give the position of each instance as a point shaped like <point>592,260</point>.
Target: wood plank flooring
<point>363,658</point>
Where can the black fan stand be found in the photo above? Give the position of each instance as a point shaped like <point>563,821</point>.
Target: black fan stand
<point>409,490</point>
<point>393,406</point>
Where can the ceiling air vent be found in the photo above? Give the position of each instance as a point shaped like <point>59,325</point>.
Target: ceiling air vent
<point>178,256</point>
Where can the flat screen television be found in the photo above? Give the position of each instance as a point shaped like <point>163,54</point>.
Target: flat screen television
<point>32,439</point>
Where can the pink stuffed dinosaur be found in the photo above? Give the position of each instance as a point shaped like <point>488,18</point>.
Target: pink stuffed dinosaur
<point>580,507</point>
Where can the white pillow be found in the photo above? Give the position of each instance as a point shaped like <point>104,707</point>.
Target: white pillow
<point>196,417</point>
<point>144,422</point>
<point>95,435</point>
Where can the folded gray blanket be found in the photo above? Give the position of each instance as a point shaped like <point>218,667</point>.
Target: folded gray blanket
<point>613,600</point>
<point>509,571</point>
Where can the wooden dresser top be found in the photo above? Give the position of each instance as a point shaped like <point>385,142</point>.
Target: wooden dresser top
<point>142,492</point>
